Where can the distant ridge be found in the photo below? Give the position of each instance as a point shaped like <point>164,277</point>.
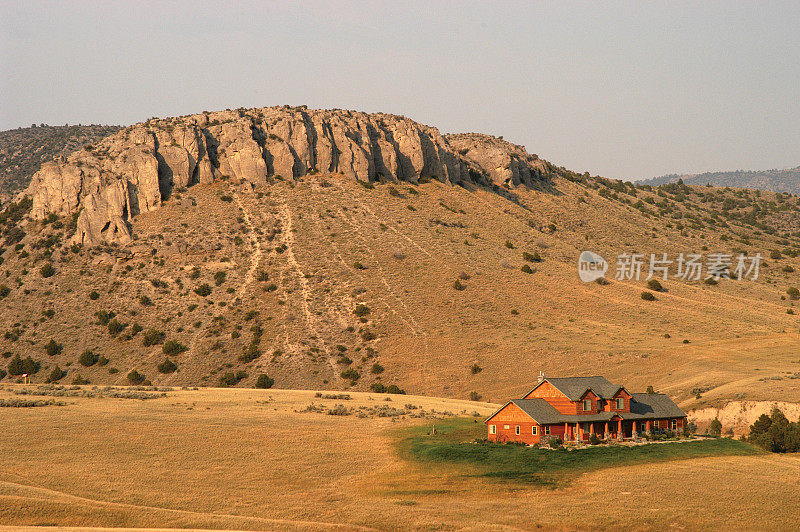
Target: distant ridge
<point>787,180</point>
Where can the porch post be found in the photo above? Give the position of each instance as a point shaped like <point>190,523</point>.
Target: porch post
<point>649,427</point>
<point>566,431</point>
<point>591,428</point>
<point>605,434</point>
<point>619,429</point>
<point>634,434</point>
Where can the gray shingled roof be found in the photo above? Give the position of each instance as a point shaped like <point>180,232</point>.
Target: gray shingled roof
<point>652,406</point>
<point>643,406</point>
<point>574,387</point>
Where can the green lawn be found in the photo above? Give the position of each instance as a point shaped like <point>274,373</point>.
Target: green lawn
<point>542,467</point>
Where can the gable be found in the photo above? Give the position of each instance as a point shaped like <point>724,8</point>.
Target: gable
<point>510,413</point>
<point>545,390</point>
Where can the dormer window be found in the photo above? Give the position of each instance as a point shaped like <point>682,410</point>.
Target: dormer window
<point>620,403</point>
<point>587,405</point>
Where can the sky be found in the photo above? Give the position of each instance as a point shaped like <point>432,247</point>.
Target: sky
<point>625,90</point>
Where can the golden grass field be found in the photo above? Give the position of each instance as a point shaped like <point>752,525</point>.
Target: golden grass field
<point>246,459</point>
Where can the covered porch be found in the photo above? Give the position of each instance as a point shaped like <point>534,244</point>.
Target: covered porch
<point>615,428</point>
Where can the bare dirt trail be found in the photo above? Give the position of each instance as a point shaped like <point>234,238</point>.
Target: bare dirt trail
<point>312,322</point>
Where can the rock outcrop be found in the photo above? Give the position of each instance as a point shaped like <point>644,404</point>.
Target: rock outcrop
<point>134,170</point>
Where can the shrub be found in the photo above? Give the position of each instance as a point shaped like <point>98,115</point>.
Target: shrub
<point>793,293</point>
<point>173,347</point>
<point>47,270</point>
<point>219,277</point>
<point>359,266</point>
<point>78,380</point>
<point>203,290</point>
<point>393,388</point>
<point>226,198</point>
<point>88,358</point>
<point>232,379</point>
<point>115,327</point>
<point>104,316</point>
<point>264,381</point>
<point>526,269</point>
<point>509,244</point>
<point>350,374</point>
<point>4,291</point>
<point>532,257</point>
<point>648,296</point>
<point>93,295</point>
<point>655,285</point>
<point>475,369</point>
<point>368,335</point>
<point>135,377</point>
<point>53,348</point>
<point>3,374</point>
<point>474,396</point>
<point>153,337</point>
<point>650,390</point>
<point>377,387</point>
<point>602,281</point>
<point>167,366</point>
<point>715,428</point>
<point>361,310</point>
<point>593,439</point>
<point>711,281</point>
<point>556,443</point>
<point>458,285</point>
<point>15,367</point>
<point>145,301</point>
<point>376,369</point>
<point>775,254</point>
<point>102,361</point>
<point>56,375</point>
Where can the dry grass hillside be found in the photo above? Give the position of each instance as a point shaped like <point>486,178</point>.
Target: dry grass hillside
<point>262,460</point>
<point>440,289</point>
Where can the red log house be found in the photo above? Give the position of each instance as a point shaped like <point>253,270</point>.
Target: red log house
<point>574,408</point>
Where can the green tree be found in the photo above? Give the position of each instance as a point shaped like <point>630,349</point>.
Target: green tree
<point>715,428</point>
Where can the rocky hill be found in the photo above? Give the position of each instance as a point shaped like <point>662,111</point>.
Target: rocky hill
<point>23,150</point>
<point>772,180</point>
<point>335,249</point>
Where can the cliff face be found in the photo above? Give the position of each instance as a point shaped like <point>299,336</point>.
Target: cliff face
<point>132,171</point>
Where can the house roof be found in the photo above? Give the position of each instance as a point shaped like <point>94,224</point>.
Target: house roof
<point>575,387</point>
<point>643,406</point>
<point>652,406</point>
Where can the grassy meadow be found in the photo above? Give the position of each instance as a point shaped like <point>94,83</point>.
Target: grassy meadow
<point>262,460</point>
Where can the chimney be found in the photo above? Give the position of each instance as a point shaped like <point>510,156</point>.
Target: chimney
<point>541,377</point>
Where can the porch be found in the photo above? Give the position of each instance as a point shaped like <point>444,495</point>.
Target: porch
<point>615,429</point>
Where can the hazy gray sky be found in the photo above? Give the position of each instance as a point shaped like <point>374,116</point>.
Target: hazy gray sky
<point>628,90</point>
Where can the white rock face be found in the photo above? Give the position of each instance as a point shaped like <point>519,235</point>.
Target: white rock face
<point>134,170</point>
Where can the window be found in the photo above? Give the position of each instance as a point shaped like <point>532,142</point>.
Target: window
<point>516,430</point>
<point>620,403</point>
<point>674,424</point>
<point>547,429</point>
<point>506,427</point>
<point>492,429</point>
<point>587,405</point>
<point>534,430</point>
